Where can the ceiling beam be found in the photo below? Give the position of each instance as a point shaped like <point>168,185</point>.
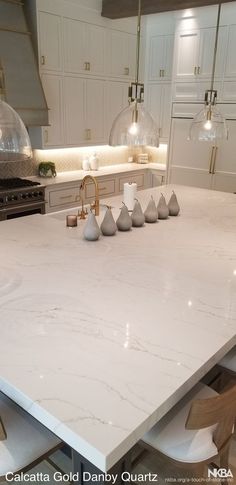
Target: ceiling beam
<point>117,9</point>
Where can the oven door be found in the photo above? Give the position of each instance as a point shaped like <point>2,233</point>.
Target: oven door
<point>22,210</point>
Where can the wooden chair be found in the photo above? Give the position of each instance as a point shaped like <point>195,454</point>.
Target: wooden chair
<point>197,431</point>
<point>23,441</point>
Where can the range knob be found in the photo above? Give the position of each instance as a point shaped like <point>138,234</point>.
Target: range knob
<point>13,197</point>
<point>30,195</point>
<point>24,196</point>
<point>36,194</point>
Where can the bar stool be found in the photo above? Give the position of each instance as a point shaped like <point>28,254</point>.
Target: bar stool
<point>23,441</point>
<point>196,431</point>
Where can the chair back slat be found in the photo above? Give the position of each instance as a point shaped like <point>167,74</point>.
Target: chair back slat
<point>3,434</point>
<point>220,410</point>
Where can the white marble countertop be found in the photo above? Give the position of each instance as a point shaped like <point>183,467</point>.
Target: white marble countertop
<point>99,340</point>
<point>71,176</point>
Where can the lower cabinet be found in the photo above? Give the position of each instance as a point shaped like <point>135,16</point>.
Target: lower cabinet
<point>67,195</point>
<point>202,164</point>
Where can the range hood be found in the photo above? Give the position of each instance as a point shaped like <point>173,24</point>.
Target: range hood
<point>20,84</point>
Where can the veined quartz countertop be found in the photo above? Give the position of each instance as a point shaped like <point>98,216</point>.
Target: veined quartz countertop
<point>100,339</point>
<point>74,175</point>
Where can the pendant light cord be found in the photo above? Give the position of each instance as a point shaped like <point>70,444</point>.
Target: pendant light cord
<point>138,42</point>
<point>215,48</point>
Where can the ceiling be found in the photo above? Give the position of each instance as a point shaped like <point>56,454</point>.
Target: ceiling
<point>116,9</point>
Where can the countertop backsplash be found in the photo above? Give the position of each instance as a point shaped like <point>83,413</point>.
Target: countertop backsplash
<point>70,159</point>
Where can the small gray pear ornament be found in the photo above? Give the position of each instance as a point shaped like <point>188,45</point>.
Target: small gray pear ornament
<point>173,205</point>
<point>91,230</point>
<point>124,221</point>
<point>108,226</point>
<point>137,217</point>
<point>162,208</point>
<point>151,214</point>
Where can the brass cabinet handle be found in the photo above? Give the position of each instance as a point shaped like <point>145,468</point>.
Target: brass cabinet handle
<point>163,73</point>
<point>88,134</point>
<point>46,136</point>
<point>160,73</point>
<point>87,66</point>
<point>195,70</point>
<point>211,160</point>
<point>214,160</point>
<point>198,69</point>
<point>66,197</point>
<point>43,60</point>
<point>126,71</point>
<point>101,188</point>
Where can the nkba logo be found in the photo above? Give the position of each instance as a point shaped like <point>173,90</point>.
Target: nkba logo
<point>220,473</point>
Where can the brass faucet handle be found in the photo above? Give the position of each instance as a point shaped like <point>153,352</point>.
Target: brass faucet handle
<point>83,213</point>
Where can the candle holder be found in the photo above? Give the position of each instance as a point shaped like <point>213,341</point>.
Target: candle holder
<point>71,221</point>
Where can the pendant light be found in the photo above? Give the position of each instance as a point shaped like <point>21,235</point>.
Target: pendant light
<point>209,124</point>
<point>134,126</point>
<point>15,144</point>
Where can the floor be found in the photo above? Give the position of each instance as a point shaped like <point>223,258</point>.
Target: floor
<point>149,464</point>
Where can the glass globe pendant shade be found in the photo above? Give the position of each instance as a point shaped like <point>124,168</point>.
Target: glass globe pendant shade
<point>15,144</point>
<point>208,125</point>
<point>134,126</point>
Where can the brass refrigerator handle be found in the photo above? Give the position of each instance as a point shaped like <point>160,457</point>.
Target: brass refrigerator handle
<point>214,160</point>
<point>211,159</point>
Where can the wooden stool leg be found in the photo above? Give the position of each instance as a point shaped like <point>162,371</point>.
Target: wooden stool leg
<point>224,461</point>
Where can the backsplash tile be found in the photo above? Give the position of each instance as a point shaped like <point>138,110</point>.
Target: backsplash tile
<point>68,159</point>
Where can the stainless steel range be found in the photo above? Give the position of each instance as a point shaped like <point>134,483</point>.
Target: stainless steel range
<point>20,197</point>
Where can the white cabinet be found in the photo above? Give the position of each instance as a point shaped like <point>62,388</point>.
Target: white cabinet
<point>116,100</point>
<point>94,112</point>
<point>84,47</point>
<point>74,102</point>
<point>194,54</point>
<point>54,133</point>
<point>160,57</point>
<point>50,57</point>
<point>159,105</point>
<point>230,69</point>
<point>194,91</point>
<point>122,54</point>
<point>202,164</point>
<point>84,111</point>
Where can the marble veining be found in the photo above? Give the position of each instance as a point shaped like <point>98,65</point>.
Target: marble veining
<point>99,340</point>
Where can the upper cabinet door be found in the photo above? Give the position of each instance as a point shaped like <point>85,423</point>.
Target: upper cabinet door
<point>230,70</point>
<point>187,49</point>
<point>206,52</point>
<point>96,41</point>
<point>156,57</point>
<point>161,57</point>
<point>74,106</point>
<point>122,57</point>
<point>50,42</point>
<point>74,45</point>
<point>84,47</point>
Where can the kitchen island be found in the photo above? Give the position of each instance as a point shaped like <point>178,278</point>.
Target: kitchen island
<point>100,339</point>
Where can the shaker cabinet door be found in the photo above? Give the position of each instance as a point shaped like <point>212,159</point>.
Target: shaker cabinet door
<point>74,105</point>
<point>95,112</point>
<point>186,62</point>
<point>230,69</point>
<point>50,57</point>
<point>74,45</point>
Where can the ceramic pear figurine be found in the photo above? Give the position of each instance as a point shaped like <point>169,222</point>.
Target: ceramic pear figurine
<point>91,230</point>
<point>124,221</point>
<point>108,226</point>
<point>162,208</point>
<point>173,205</point>
<point>137,217</point>
<point>151,214</point>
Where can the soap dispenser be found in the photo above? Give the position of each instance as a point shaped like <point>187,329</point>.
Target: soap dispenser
<point>94,162</point>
